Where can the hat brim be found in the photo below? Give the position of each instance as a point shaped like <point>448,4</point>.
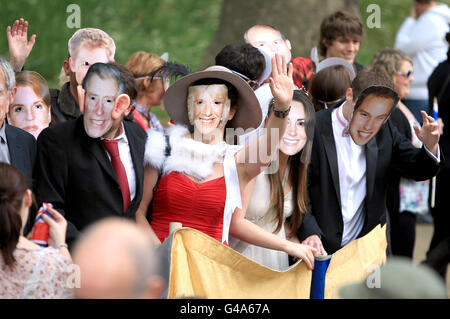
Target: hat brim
<point>248,111</point>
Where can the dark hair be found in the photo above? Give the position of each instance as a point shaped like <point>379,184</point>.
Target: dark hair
<point>243,58</point>
<point>232,92</point>
<point>171,70</point>
<point>105,71</point>
<point>329,85</point>
<point>128,79</point>
<point>370,77</point>
<point>339,24</point>
<point>297,174</point>
<point>13,186</point>
<point>378,91</point>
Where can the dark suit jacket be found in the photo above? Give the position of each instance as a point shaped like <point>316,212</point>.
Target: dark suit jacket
<point>22,150</point>
<point>73,173</point>
<point>386,150</point>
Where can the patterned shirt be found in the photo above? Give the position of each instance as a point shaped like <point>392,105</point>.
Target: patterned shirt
<point>140,113</point>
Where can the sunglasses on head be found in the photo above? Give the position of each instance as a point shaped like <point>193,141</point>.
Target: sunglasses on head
<point>253,84</point>
<point>406,74</point>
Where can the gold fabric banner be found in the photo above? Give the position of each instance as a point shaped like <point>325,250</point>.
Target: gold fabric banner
<point>203,267</point>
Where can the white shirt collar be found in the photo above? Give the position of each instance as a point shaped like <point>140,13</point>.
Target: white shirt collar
<point>3,131</point>
<point>121,135</point>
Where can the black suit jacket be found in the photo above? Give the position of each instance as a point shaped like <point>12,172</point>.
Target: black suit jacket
<point>73,173</point>
<point>387,150</point>
<point>22,150</point>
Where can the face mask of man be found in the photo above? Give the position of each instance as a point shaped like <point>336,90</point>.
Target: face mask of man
<point>100,101</point>
<point>371,113</point>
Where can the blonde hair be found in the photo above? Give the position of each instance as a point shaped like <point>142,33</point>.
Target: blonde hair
<point>141,64</point>
<point>388,61</point>
<point>92,38</point>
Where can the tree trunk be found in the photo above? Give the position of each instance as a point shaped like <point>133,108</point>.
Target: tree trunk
<point>298,20</point>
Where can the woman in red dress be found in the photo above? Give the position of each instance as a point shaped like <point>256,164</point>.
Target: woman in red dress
<point>202,175</point>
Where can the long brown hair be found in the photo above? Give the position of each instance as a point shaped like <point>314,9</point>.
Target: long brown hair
<point>13,186</point>
<point>297,174</point>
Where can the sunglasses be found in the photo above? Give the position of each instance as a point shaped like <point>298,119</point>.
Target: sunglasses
<point>253,84</point>
<point>406,74</point>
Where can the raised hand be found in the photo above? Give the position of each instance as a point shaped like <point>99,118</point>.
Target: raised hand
<point>19,46</point>
<point>281,83</point>
<point>428,134</point>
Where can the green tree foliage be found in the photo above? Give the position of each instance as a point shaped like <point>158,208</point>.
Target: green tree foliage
<point>181,27</point>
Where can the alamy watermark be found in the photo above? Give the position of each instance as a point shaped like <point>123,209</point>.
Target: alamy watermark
<point>374,18</point>
<point>73,21</point>
<point>373,280</point>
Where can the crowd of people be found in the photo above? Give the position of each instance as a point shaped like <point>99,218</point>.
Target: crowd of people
<point>278,157</point>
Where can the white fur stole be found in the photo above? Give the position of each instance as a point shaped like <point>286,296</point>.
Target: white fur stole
<point>187,155</point>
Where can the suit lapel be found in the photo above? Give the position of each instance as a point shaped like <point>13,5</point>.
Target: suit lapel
<point>95,147</point>
<point>137,148</point>
<point>330,150</point>
<point>15,148</point>
<point>371,165</point>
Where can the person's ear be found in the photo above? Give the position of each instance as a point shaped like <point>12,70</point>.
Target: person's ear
<point>349,95</point>
<point>326,44</point>
<point>71,64</point>
<point>233,111</point>
<point>288,43</point>
<point>147,82</point>
<point>121,105</point>
<point>81,97</point>
<point>12,96</point>
<point>28,198</point>
<point>66,67</point>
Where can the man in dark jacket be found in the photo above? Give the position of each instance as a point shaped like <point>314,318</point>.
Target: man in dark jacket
<point>354,147</point>
<point>92,167</point>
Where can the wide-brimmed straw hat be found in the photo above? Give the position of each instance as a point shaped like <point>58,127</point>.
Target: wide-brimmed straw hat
<point>248,114</point>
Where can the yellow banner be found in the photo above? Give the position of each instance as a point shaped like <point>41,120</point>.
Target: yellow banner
<point>203,267</point>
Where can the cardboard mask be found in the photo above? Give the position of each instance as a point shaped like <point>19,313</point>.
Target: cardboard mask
<point>29,112</point>
<point>208,106</point>
<point>372,109</point>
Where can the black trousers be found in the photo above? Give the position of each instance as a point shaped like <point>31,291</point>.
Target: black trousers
<point>403,234</point>
<point>438,255</point>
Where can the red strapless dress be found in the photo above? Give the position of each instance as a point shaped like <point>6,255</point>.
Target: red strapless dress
<point>196,205</point>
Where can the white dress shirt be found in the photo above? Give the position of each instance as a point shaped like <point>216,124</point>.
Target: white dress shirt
<point>351,159</point>
<point>4,151</point>
<point>125,157</point>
